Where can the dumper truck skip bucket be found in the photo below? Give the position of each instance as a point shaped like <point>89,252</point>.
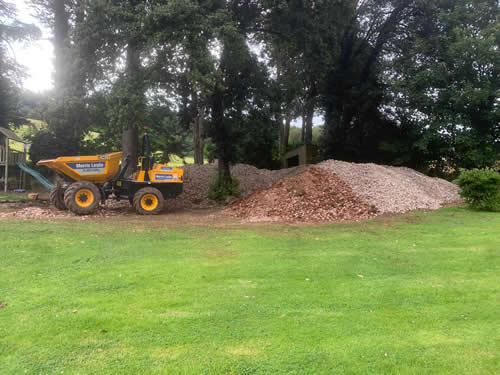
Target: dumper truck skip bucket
<point>96,169</point>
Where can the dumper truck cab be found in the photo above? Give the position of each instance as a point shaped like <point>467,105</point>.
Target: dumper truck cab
<point>84,182</point>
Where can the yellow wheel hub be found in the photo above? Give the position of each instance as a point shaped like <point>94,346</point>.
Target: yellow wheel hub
<point>149,202</point>
<point>84,198</point>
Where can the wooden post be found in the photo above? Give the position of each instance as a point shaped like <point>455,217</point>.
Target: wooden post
<point>23,175</point>
<point>6,163</point>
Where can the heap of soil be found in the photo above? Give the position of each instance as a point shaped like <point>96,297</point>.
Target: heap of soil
<point>312,195</point>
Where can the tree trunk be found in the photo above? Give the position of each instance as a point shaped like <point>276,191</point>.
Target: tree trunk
<point>67,117</point>
<point>224,173</point>
<point>198,136</point>
<point>221,137</point>
<point>61,45</point>
<point>282,136</point>
<point>135,107</point>
<point>288,121</point>
<point>129,147</point>
<point>285,132</point>
<point>303,135</point>
<point>308,122</point>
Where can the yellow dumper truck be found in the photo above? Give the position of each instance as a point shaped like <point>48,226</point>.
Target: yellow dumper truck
<point>86,181</point>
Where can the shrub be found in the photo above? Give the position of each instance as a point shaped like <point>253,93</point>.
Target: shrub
<point>496,166</point>
<point>480,188</point>
<point>220,191</point>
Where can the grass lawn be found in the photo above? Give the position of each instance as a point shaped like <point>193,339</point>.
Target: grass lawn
<point>176,161</point>
<point>13,197</point>
<point>417,294</point>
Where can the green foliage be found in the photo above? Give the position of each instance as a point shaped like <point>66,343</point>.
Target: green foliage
<point>168,136</point>
<point>209,150</point>
<point>447,85</point>
<point>12,30</point>
<point>34,106</point>
<point>46,145</point>
<point>257,141</point>
<point>496,166</point>
<point>296,135</point>
<point>480,188</point>
<point>219,190</point>
<point>353,92</point>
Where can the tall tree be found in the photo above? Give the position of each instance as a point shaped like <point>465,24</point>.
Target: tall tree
<point>304,31</point>
<point>239,87</point>
<point>11,73</point>
<point>353,91</point>
<point>114,37</point>
<point>67,115</point>
<point>286,87</point>
<point>184,66</point>
<point>446,84</point>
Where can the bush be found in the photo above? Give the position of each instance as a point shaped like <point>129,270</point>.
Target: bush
<point>480,188</point>
<point>220,191</point>
<point>496,166</point>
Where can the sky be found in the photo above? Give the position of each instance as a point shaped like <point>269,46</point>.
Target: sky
<point>36,56</point>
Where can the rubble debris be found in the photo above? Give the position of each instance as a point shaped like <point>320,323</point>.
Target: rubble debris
<point>312,195</point>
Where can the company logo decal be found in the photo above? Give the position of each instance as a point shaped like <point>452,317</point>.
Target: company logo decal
<point>87,168</point>
<point>164,177</point>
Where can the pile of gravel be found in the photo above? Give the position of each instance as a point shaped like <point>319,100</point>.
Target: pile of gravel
<point>394,189</point>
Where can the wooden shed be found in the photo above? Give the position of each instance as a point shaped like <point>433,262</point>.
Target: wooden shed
<point>8,156</point>
<point>303,155</point>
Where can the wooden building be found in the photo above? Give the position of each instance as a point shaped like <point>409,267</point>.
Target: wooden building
<point>8,156</point>
<point>303,155</point>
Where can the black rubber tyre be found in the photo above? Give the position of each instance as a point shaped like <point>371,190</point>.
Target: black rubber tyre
<point>57,197</point>
<point>82,198</point>
<point>148,201</point>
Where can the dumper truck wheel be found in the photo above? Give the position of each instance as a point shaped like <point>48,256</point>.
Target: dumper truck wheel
<point>56,196</point>
<point>148,201</point>
<point>82,198</point>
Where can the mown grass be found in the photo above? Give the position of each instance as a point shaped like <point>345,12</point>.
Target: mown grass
<point>417,294</point>
<point>176,161</point>
<point>12,197</point>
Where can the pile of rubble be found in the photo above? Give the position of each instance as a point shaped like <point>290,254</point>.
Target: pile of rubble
<point>312,195</point>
